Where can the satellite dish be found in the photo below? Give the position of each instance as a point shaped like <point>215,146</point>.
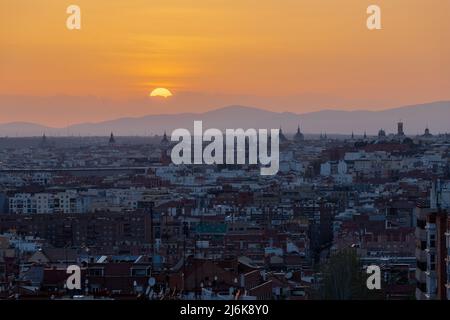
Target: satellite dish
<point>151,281</point>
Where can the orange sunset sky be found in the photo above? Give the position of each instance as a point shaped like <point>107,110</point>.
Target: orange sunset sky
<point>283,55</point>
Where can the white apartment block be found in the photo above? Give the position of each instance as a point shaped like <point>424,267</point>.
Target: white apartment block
<point>61,202</point>
<point>71,201</point>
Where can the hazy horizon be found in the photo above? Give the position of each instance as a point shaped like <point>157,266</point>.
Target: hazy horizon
<point>416,118</point>
<point>322,56</point>
<point>97,109</point>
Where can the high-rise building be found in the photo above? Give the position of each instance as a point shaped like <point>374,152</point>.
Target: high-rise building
<point>400,131</point>
<point>433,246</point>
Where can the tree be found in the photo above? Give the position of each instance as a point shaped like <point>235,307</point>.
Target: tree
<point>343,278</point>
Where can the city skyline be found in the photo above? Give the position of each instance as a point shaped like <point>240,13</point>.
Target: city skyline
<point>252,154</point>
<point>416,118</point>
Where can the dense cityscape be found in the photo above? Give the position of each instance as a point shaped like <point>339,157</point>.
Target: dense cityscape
<point>141,227</point>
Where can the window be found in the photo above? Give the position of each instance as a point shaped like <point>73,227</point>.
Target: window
<point>432,262</point>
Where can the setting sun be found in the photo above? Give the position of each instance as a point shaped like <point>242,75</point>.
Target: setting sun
<point>161,92</point>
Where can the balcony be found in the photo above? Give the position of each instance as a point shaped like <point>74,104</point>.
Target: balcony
<point>421,255</point>
<point>421,276</point>
<point>430,296</point>
<point>420,295</point>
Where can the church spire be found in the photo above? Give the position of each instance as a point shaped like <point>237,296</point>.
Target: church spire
<point>44,140</point>
<point>112,140</point>
<point>164,141</point>
<point>282,136</point>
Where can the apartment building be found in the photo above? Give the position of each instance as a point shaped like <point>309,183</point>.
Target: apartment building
<point>433,245</point>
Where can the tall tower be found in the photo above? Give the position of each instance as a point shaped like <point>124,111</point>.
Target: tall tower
<point>400,129</point>
<point>164,146</point>
<point>112,140</point>
<point>44,141</point>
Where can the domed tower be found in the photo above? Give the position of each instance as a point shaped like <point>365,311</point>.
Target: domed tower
<point>282,137</point>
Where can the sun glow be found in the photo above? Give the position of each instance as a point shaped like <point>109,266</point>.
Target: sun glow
<point>161,92</point>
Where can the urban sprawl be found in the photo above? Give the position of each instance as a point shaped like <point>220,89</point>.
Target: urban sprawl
<point>141,227</point>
